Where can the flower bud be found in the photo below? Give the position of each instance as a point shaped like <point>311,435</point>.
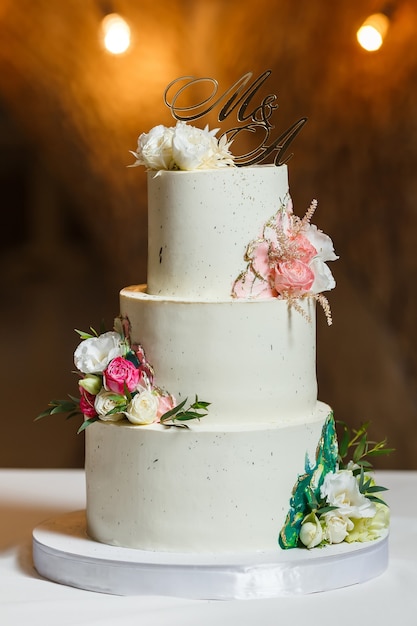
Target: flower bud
<point>91,383</point>
<point>311,532</point>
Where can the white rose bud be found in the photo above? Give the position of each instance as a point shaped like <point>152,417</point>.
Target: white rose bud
<point>311,532</point>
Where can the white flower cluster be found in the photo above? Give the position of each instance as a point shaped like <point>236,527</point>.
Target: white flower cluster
<point>182,147</point>
<point>354,518</point>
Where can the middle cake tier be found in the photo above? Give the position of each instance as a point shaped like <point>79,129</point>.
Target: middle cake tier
<point>254,361</point>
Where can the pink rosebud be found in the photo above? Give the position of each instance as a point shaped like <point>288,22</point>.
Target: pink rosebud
<point>120,373</point>
<point>293,276</point>
<point>87,403</point>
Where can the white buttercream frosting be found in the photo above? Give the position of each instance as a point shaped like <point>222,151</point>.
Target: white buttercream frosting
<point>198,490</point>
<point>224,484</point>
<point>200,224</point>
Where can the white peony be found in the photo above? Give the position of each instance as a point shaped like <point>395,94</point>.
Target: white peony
<point>105,402</point>
<point>196,149</point>
<point>93,355</point>
<point>311,532</point>
<point>143,408</point>
<point>155,149</point>
<point>341,489</point>
<point>336,527</point>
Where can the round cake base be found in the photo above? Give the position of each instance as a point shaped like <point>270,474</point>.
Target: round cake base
<point>63,553</point>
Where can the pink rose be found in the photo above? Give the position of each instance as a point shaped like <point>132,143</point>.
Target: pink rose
<point>293,276</point>
<point>305,250</point>
<point>120,372</point>
<point>87,403</point>
<point>166,402</point>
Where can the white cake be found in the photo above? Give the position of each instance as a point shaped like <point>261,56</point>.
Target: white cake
<point>210,464</point>
<point>224,483</point>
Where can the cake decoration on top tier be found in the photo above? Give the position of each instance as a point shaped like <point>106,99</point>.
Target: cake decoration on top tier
<point>206,319</point>
<point>288,257</point>
<point>288,261</point>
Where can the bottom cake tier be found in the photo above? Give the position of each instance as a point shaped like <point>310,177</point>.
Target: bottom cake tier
<point>200,489</point>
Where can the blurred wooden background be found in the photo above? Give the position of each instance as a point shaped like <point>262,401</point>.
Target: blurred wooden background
<point>74,217</point>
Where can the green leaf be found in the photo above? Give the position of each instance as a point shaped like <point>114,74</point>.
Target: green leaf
<point>344,442</point>
<point>188,415</point>
<point>375,489</point>
<point>380,451</point>
<point>85,335</point>
<point>86,423</point>
<point>325,509</point>
<point>169,414</point>
<point>360,449</point>
<point>378,500</point>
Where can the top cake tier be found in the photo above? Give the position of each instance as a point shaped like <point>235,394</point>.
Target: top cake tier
<point>200,224</point>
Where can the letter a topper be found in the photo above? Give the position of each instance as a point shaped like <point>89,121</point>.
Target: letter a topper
<point>251,117</point>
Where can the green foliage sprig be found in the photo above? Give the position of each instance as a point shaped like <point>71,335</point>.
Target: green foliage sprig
<point>355,450</point>
<point>355,447</point>
<point>197,410</point>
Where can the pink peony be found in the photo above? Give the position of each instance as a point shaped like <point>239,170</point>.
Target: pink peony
<point>293,276</point>
<point>87,403</point>
<point>120,373</point>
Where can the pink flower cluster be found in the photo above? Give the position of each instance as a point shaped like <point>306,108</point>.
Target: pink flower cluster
<point>288,259</point>
<point>115,371</point>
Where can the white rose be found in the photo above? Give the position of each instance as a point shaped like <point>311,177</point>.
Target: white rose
<point>105,402</point>
<point>311,532</point>
<point>155,149</point>
<point>336,527</point>
<point>341,489</point>
<point>143,408</point>
<point>93,355</point>
<point>195,149</point>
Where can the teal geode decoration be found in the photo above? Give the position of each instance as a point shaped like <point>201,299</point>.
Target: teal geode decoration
<point>308,484</point>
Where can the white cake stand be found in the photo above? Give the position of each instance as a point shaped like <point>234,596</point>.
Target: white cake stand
<point>64,553</point>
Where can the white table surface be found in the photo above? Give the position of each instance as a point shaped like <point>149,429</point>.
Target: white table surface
<point>27,497</point>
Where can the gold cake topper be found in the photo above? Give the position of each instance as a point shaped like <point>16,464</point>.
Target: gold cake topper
<point>251,117</point>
